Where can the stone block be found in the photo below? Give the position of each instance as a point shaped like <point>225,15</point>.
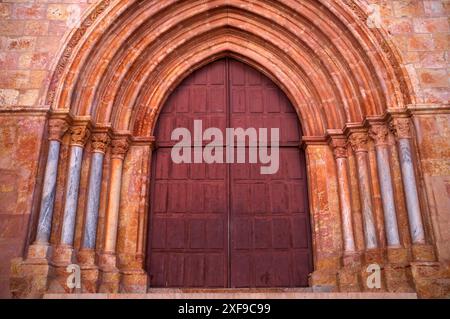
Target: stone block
<point>423,253</point>
<point>398,279</point>
<point>431,279</point>
<point>109,282</point>
<point>349,280</point>
<point>134,282</point>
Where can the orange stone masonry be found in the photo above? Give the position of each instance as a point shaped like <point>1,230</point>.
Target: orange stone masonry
<point>100,84</point>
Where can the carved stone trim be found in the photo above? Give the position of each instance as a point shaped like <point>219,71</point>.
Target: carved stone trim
<point>100,142</point>
<point>388,49</point>
<point>358,142</point>
<point>401,128</point>
<point>70,48</point>
<point>79,135</point>
<point>339,148</point>
<point>119,147</point>
<point>379,133</point>
<point>57,128</point>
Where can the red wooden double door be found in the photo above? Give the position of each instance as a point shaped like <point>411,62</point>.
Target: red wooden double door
<point>227,225</point>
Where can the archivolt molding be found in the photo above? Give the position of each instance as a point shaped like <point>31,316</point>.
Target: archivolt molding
<point>331,65</point>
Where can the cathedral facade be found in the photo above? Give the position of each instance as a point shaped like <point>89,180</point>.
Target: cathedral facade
<point>90,92</point>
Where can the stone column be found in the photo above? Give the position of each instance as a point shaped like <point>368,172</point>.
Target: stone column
<point>395,272</point>
<point>340,154</point>
<point>108,263</point>
<point>348,275</point>
<point>99,145</point>
<point>358,142</point>
<point>80,135</point>
<point>132,236</point>
<point>86,256</point>
<point>379,133</point>
<point>40,248</point>
<point>402,130</point>
<point>324,207</point>
<point>63,255</point>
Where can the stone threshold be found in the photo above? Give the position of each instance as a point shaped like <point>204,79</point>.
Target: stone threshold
<point>294,293</point>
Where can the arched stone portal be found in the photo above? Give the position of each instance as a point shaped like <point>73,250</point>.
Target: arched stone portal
<point>343,79</point>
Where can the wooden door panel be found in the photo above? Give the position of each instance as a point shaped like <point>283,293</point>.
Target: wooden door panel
<point>257,102</point>
<point>227,225</point>
<point>189,228</point>
<point>269,227</point>
<point>268,212</point>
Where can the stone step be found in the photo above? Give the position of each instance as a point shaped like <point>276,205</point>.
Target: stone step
<point>297,293</point>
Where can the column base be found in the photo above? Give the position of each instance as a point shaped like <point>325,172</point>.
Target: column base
<point>134,281</point>
<point>28,279</point>
<point>39,253</point>
<point>373,257</point>
<point>350,279</point>
<point>324,281</point>
<point>397,256</point>
<point>63,256</point>
<point>89,271</point>
<point>398,279</point>
<point>423,253</point>
<point>109,275</point>
<point>109,282</point>
<point>397,271</point>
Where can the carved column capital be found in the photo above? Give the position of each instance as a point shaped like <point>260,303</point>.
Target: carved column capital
<point>79,135</point>
<point>339,146</point>
<point>119,147</point>
<point>358,142</point>
<point>56,129</point>
<point>401,128</point>
<point>100,142</point>
<point>379,133</point>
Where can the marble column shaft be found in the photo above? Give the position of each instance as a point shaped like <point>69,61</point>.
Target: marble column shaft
<point>99,145</point>
<point>57,129</point>
<point>412,196</point>
<point>401,129</point>
<point>380,134</point>
<point>93,201</point>
<point>79,137</point>
<point>48,193</point>
<point>358,142</point>
<point>340,153</point>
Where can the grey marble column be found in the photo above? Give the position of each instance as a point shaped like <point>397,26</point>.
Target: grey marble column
<point>402,132</point>
<point>99,145</point>
<point>57,129</point>
<point>358,141</point>
<point>79,136</point>
<point>379,133</point>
